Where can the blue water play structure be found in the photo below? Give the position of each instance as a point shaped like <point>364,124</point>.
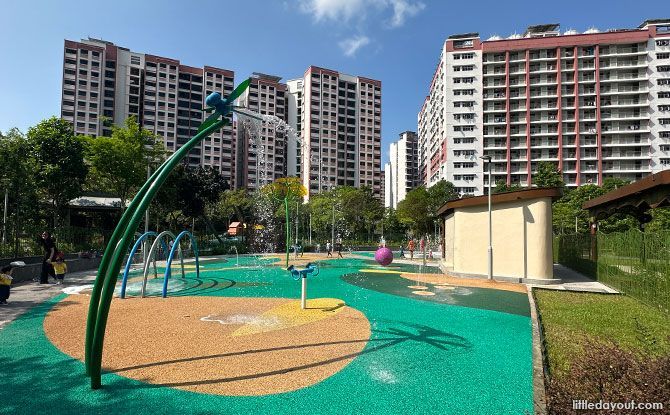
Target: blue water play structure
<point>301,274</point>
<point>159,241</point>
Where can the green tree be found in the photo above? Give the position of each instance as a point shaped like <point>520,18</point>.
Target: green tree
<point>415,211</point>
<point>660,220</point>
<point>440,193</point>
<point>394,230</point>
<point>236,204</point>
<point>17,178</point>
<point>59,157</point>
<point>118,164</point>
<point>321,208</point>
<point>569,207</point>
<point>501,186</point>
<point>190,192</point>
<point>547,175</point>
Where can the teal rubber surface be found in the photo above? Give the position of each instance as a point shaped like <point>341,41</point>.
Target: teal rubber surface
<point>424,356</point>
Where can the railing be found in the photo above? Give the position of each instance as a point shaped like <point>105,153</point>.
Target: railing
<point>68,239</point>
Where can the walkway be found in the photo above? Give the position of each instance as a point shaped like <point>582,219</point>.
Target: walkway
<point>574,281</point>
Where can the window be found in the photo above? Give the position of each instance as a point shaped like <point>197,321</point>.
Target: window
<point>464,55</point>
<point>665,162</point>
<point>664,121</point>
<point>663,42</point>
<point>663,81</point>
<point>663,56</point>
<point>135,60</point>
<point>664,94</point>
<point>466,165</point>
<point>464,68</point>
<point>464,140</point>
<point>664,107</point>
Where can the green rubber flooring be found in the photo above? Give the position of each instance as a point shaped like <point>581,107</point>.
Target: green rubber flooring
<point>466,355</point>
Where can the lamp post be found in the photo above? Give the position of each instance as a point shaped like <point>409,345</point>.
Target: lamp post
<point>487,159</point>
<point>4,215</point>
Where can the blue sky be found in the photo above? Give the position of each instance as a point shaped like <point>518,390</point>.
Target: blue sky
<point>395,41</point>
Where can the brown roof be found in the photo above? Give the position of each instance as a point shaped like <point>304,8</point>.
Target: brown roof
<point>645,191</point>
<point>496,198</point>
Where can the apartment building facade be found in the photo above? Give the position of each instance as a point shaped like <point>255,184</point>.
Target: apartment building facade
<point>104,83</point>
<point>338,117</point>
<point>597,104</point>
<point>401,173</point>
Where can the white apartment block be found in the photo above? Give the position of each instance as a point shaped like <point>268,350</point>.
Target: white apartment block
<point>104,83</point>
<point>338,117</point>
<point>401,173</point>
<point>262,159</point>
<point>596,103</point>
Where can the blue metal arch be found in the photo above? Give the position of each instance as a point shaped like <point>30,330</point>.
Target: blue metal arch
<point>172,251</point>
<point>130,259</point>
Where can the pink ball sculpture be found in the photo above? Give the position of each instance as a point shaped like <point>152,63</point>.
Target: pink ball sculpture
<point>384,256</point>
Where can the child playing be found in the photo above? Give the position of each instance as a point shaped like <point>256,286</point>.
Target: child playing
<point>410,248</point>
<point>60,268</point>
<point>5,282</point>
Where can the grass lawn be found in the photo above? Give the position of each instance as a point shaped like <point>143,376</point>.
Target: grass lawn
<point>572,320</point>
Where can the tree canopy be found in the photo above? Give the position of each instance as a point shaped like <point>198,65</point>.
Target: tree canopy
<point>547,175</point>
<point>59,161</point>
<point>118,164</point>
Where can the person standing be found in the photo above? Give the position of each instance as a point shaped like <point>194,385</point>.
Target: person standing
<point>50,251</point>
<point>410,248</point>
<point>329,250</point>
<point>5,283</point>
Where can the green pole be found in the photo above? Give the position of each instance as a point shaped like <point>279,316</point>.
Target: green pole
<point>120,246</point>
<point>104,263</point>
<point>288,236</point>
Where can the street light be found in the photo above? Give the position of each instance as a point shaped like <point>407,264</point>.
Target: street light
<point>487,159</point>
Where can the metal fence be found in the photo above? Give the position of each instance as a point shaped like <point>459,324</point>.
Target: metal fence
<point>638,264</point>
<point>633,262</point>
<point>68,239</point>
<point>576,251</point>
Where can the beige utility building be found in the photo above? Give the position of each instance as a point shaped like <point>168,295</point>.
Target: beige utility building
<point>522,235</point>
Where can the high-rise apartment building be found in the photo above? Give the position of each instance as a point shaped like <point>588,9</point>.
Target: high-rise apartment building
<point>262,158</point>
<point>338,117</point>
<point>104,83</point>
<point>595,103</point>
<point>402,171</point>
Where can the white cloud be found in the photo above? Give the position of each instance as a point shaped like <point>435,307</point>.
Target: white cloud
<point>350,46</point>
<point>354,16</point>
<point>336,10</point>
<point>343,11</point>
<point>403,9</point>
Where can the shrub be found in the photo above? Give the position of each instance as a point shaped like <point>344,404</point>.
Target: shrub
<point>609,373</point>
<point>227,248</point>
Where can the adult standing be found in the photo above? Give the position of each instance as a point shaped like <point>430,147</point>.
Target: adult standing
<point>50,252</point>
<point>410,248</point>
